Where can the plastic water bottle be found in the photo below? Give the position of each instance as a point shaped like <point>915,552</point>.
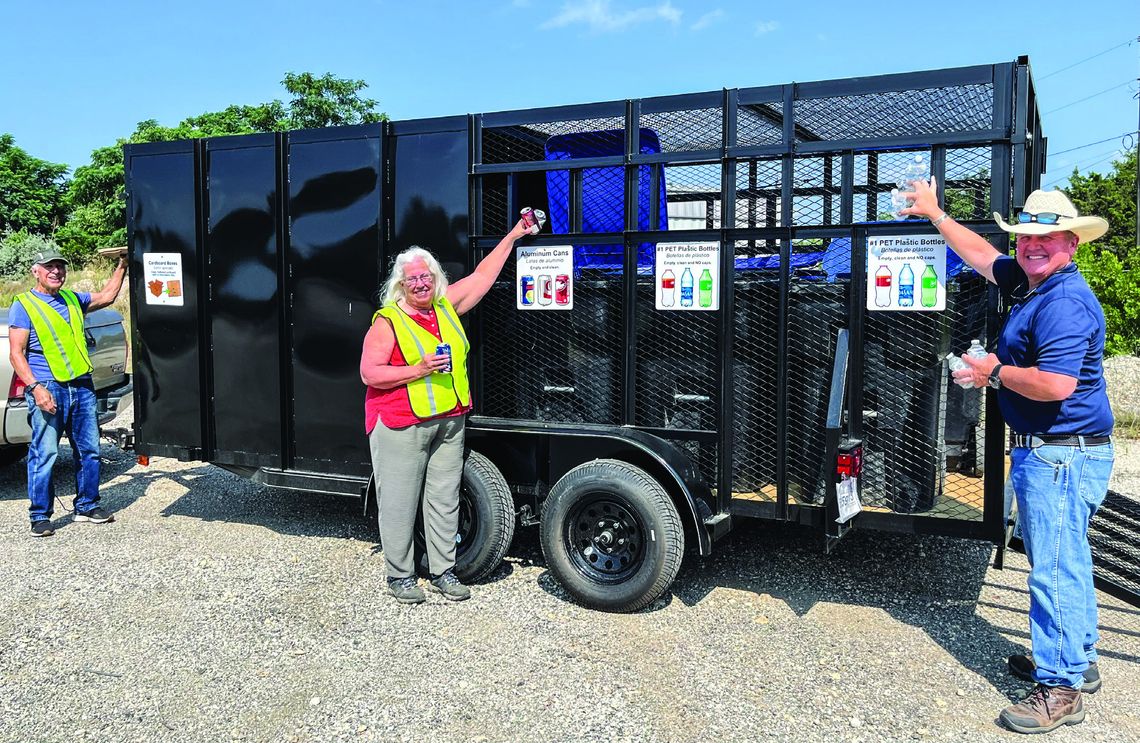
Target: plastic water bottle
<point>977,350</point>
<point>668,288</point>
<point>954,361</point>
<point>918,169</point>
<point>687,288</point>
<point>906,286</point>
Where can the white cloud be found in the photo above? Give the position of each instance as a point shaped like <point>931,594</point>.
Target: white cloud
<point>708,19</point>
<point>766,27</point>
<point>602,18</point>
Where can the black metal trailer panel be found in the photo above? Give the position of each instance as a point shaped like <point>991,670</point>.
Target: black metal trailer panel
<point>285,239</point>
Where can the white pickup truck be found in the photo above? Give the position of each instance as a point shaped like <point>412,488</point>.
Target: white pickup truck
<point>107,346</point>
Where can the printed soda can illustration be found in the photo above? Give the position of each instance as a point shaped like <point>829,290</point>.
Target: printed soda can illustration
<point>545,290</point>
<point>526,284</point>
<point>444,349</point>
<point>562,289</point>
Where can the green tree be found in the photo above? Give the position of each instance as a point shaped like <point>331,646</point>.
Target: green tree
<point>95,200</point>
<point>31,190</point>
<point>1111,265</point>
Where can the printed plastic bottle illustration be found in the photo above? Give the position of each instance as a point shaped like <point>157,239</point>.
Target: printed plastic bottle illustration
<point>883,286</point>
<point>918,169</point>
<point>906,286</point>
<point>705,289</point>
<point>687,288</point>
<point>929,286</point>
<point>668,288</point>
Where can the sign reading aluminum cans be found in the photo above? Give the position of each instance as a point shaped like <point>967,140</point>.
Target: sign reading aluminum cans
<point>906,273</point>
<point>687,276</point>
<point>162,277</point>
<point>545,277</point>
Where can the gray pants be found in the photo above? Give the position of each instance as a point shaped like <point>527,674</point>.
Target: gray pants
<point>423,462</point>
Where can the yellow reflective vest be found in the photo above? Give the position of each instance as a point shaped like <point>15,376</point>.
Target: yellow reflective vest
<point>63,341</point>
<point>438,392</point>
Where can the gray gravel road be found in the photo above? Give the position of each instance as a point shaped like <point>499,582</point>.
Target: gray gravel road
<point>215,609</point>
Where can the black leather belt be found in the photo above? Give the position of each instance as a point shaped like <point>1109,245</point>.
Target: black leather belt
<point>1032,441</point>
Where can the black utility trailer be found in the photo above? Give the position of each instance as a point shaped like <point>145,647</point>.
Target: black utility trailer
<point>628,431</point>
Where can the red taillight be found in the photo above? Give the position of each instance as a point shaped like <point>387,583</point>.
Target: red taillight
<point>16,389</point>
<point>144,460</point>
<point>850,464</point>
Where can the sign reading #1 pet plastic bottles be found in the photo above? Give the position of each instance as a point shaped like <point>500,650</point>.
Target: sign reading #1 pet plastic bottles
<point>544,277</point>
<point>906,273</point>
<point>162,278</point>
<point>687,276</point>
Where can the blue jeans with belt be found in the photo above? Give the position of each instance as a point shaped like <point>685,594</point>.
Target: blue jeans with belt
<point>1058,489</point>
<point>74,414</point>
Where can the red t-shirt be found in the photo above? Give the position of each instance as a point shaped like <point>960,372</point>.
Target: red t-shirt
<point>393,405</point>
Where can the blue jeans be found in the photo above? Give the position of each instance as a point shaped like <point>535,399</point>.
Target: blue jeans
<point>1058,490</point>
<point>75,415</point>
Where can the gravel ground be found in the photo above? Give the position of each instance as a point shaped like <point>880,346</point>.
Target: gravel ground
<point>216,609</point>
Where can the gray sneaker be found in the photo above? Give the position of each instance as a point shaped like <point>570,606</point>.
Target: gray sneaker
<point>1022,666</point>
<point>451,587</point>
<point>406,590</point>
<point>42,528</point>
<point>95,516</point>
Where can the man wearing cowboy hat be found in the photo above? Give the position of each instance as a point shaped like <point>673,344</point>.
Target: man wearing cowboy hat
<point>1048,375</point>
<point>48,351</point>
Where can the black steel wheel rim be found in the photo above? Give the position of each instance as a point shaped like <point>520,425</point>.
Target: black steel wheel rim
<point>468,522</point>
<point>605,538</point>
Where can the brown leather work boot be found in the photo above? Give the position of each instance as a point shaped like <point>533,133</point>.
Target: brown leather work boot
<point>1045,708</point>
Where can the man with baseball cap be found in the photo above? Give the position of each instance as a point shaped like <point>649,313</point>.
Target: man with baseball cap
<point>1050,386</point>
<point>48,351</point>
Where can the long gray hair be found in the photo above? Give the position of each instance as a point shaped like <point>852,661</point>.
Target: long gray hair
<point>394,287</point>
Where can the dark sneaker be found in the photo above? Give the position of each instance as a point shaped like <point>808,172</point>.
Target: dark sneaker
<point>1023,666</point>
<point>406,590</point>
<point>451,587</point>
<point>95,516</point>
<point>42,528</point>
<point>1045,708</point>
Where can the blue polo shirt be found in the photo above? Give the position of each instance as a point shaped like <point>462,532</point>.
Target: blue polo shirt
<point>1057,327</point>
<point>18,318</point>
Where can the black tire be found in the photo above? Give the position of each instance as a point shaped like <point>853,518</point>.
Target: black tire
<point>486,521</point>
<point>612,536</point>
<point>9,455</point>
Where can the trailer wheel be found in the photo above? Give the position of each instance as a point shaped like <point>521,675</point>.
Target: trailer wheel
<point>611,534</point>
<point>486,521</point>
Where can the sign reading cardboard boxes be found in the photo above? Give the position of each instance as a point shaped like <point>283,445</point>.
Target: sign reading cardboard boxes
<point>546,277</point>
<point>906,272</point>
<point>687,276</point>
<point>162,276</point>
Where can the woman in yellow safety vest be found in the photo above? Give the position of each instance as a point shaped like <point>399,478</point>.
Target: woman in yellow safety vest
<point>415,407</point>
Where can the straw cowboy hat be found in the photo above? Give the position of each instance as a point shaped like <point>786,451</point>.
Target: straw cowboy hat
<point>1062,215</point>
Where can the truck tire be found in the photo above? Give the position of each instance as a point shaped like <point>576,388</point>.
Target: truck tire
<point>611,535</point>
<point>486,521</point>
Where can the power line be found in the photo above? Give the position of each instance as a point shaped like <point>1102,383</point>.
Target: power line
<point>1094,95</point>
<point>1090,144</point>
<point>1087,59</point>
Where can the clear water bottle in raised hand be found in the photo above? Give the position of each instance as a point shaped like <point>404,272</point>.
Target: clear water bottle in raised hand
<point>954,361</point>
<point>918,169</point>
<point>977,350</point>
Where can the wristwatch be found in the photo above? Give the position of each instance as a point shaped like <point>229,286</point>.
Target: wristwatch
<point>995,380</point>
<point>32,387</point>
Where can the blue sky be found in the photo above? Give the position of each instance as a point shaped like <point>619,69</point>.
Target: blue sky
<point>78,75</point>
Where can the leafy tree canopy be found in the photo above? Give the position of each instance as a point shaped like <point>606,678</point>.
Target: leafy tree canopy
<point>31,190</point>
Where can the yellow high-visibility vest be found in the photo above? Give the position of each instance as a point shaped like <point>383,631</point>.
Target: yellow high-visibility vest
<point>438,392</point>
<point>63,342</point>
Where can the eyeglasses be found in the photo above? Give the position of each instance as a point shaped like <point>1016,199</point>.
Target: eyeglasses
<point>423,278</point>
<point>57,268</point>
<point>1041,217</point>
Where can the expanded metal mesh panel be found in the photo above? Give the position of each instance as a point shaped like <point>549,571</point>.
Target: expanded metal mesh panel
<point>876,173</point>
<point>549,365</point>
<point>756,331</point>
<point>495,218</point>
<point>967,186</point>
<point>758,185</point>
<point>759,124</point>
<point>816,190</point>
<point>955,108</point>
<point>688,129</point>
<point>693,195</point>
<point>1114,534</point>
<point>525,143</point>
<point>816,311</point>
